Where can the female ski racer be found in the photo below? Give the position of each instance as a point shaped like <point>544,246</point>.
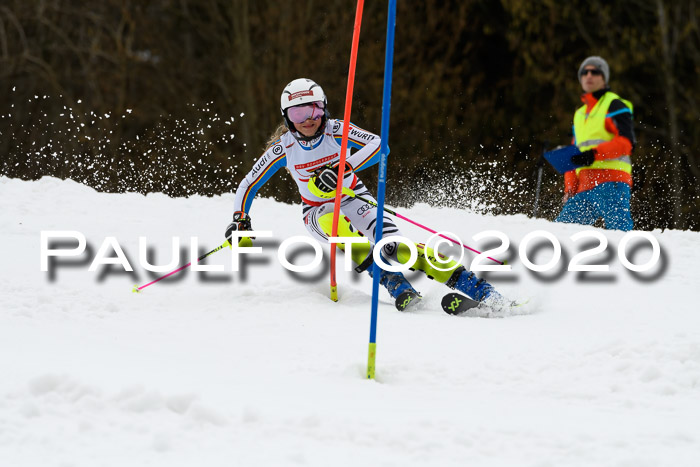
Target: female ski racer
<point>308,146</point>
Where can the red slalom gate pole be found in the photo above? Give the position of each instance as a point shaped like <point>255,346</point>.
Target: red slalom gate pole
<point>344,140</point>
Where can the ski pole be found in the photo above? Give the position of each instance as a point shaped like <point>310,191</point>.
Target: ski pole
<point>348,192</point>
<point>540,164</point>
<point>394,213</point>
<point>138,289</point>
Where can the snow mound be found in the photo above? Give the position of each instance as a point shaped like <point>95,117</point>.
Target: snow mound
<point>259,367</point>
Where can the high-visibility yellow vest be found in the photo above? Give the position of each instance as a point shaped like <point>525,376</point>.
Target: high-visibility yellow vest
<point>589,132</point>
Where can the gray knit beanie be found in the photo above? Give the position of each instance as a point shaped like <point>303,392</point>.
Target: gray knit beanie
<point>597,62</point>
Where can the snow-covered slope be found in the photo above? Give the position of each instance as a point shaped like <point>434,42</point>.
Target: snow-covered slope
<point>262,369</point>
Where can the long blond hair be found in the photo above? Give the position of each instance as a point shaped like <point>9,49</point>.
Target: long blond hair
<point>279,131</point>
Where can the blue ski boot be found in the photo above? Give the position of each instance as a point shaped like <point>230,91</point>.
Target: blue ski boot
<point>478,289</point>
<point>399,288</point>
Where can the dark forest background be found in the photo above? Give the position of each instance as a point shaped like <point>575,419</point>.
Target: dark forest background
<point>180,96</point>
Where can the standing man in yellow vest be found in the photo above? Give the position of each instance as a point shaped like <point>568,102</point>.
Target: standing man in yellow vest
<point>600,185</point>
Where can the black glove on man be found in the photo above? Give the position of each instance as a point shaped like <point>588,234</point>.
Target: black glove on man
<point>584,159</point>
<point>241,221</point>
<point>327,177</point>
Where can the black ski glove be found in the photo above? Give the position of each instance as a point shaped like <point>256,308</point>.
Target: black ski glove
<point>241,221</point>
<point>584,159</point>
<point>327,177</point>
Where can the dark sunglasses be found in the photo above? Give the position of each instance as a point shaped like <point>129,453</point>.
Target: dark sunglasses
<point>594,72</point>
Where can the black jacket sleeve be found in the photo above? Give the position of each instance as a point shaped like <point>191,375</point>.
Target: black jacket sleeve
<point>623,121</point>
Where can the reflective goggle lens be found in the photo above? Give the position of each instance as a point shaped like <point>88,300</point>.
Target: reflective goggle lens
<point>301,113</point>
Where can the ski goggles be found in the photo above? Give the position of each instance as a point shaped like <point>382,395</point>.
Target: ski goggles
<point>301,113</point>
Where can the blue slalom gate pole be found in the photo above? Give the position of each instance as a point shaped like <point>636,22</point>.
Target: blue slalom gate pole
<point>381,185</point>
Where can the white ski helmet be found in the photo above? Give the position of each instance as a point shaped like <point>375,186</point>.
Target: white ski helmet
<point>302,91</point>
